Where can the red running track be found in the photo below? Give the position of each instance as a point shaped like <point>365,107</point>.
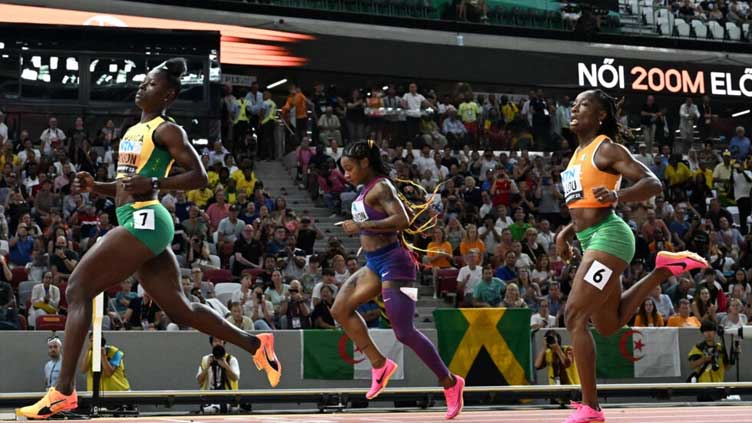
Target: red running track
<point>702,414</point>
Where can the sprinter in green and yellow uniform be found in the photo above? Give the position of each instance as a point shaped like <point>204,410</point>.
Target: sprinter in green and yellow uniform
<point>141,243</point>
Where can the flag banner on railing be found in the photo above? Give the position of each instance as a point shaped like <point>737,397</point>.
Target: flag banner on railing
<point>638,352</point>
<point>486,346</point>
<point>330,354</point>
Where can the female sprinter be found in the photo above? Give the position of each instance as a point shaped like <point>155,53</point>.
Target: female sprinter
<point>379,216</point>
<point>591,190</point>
<point>141,244</point>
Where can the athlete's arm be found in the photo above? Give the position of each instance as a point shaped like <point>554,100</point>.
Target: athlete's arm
<point>388,200</point>
<point>175,140</point>
<point>617,158</point>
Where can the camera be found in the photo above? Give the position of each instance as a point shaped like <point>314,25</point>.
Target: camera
<point>550,340</point>
<point>741,333</point>
<point>260,296</point>
<point>218,352</point>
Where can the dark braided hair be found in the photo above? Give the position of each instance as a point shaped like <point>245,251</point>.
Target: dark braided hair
<point>610,126</point>
<point>174,69</point>
<point>367,150</point>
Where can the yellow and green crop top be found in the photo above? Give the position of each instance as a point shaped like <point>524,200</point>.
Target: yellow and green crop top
<point>140,155</point>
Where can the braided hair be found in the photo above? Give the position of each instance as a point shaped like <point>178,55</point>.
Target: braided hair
<point>610,126</point>
<point>367,150</point>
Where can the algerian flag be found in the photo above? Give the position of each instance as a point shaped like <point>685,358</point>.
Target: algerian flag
<point>330,354</point>
<point>638,352</point>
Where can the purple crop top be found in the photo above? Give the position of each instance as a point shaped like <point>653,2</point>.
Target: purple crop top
<point>362,212</point>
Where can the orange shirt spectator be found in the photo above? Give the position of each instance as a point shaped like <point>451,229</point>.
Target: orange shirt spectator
<point>656,321</point>
<point>441,261</point>
<point>682,319</point>
<point>299,101</point>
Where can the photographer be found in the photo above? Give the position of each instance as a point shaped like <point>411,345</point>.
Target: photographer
<point>218,371</point>
<point>562,370</point>
<point>709,358</point>
<point>294,312</point>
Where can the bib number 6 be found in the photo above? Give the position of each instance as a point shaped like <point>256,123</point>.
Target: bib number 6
<point>144,219</point>
<point>598,274</point>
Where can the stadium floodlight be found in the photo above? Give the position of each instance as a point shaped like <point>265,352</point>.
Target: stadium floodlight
<point>276,84</point>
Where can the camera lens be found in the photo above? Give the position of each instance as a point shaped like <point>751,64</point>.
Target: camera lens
<point>218,352</point>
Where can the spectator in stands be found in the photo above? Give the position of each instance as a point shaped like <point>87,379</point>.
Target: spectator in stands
<point>682,318</point>
<point>52,367</point>
<point>471,241</point>
<point>63,259</point>
<point>45,299</point>
<point>454,129</point>
<point>294,311</point>
<point>113,367</point>
<point>300,103</point>
<point>512,297</point>
<point>742,184</point>
<point>237,318</point>
<point>322,316</point>
<point>562,369</point>
<point>555,298</point>
<point>329,127</point>
<point>277,292</point>
<point>306,235</point>
<point>432,136</point>
<point>8,310</point>
<point>648,315</point>
<point>489,291</point>
<point>21,246</point>
<point>52,137</point>
<point>703,307</point>
<point>218,210</point>
<point>688,117</point>
<point>413,103</point>
<point>229,229</point>
<point>735,318</point>
<point>542,318</point>
<point>722,179</point>
<point>662,302</point>
<point>468,277</point>
<point>332,184</point>
<point>738,12</point>
<point>245,177</point>
<point>470,112</point>
<point>3,129</point>
<point>739,146</point>
<point>355,116</point>
<point>439,256</point>
<point>218,371</point>
<point>247,251</point>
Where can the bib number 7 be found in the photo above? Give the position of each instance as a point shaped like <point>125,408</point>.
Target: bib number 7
<point>144,219</point>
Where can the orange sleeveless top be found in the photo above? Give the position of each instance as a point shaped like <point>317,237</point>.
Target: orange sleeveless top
<point>582,175</point>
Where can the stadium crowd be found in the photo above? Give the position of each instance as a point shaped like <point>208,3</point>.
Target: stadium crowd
<point>261,263</point>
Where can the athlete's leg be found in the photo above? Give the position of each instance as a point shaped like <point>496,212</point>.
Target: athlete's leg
<point>631,299</point>
<point>361,287</point>
<point>401,311</point>
<point>160,277</point>
<point>110,261</point>
<point>585,300</point>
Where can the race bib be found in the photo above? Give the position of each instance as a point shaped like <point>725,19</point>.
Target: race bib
<point>358,210</point>
<point>572,183</point>
<point>144,219</point>
<point>598,275</point>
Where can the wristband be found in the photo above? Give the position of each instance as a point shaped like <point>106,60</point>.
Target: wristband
<point>154,183</point>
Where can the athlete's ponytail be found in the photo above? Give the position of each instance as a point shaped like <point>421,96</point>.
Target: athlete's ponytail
<point>367,150</point>
<point>174,69</point>
<point>610,126</point>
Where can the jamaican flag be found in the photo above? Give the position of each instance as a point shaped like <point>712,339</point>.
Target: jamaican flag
<point>486,346</point>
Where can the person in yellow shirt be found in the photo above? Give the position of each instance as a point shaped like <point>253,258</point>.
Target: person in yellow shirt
<point>439,256</point>
<point>508,109</point>
<point>470,112</point>
<point>113,368</point>
<point>562,370</point>
<point>709,359</point>
<point>682,319</point>
<point>245,177</point>
<point>200,197</point>
<point>677,174</point>
<point>706,173</point>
